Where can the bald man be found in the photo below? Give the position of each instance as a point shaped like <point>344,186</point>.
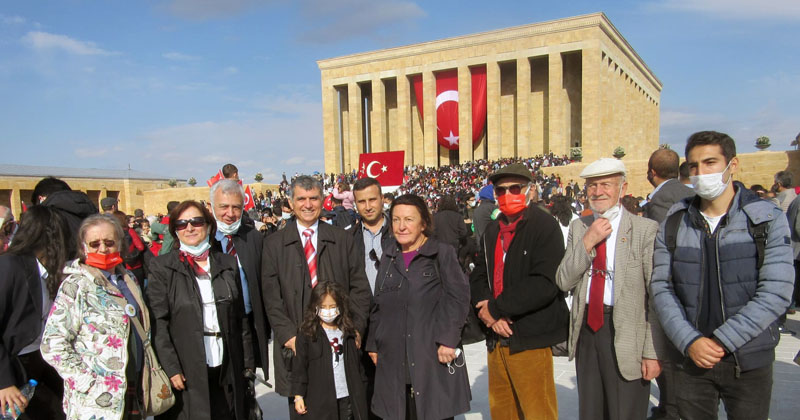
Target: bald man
<point>662,173</point>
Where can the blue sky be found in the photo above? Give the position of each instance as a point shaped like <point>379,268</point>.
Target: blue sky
<point>180,87</point>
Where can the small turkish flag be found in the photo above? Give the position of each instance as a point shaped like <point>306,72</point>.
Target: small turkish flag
<point>248,199</point>
<point>213,180</point>
<point>386,167</point>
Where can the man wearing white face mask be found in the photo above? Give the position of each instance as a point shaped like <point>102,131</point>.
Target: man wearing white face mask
<point>245,243</point>
<point>722,276</point>
<point>613,332</point>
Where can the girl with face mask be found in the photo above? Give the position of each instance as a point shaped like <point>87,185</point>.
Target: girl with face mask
<point>331,386</point>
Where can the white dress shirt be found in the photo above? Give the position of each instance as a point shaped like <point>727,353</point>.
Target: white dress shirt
<point>213,345</point>
<point>315,227</point>
<point>611,248</point>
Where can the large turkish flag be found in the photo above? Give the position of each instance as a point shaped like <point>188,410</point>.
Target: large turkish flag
<point>386,167</point>
<point>447,105</point>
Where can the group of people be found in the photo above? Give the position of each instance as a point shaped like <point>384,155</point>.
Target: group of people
<point>368,321</point>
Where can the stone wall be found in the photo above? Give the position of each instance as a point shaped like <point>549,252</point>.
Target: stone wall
<point>754,168</point>
<point>155,201</point>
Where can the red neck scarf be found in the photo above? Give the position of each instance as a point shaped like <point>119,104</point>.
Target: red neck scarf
<point>192,260</point>
<point>507,231</point>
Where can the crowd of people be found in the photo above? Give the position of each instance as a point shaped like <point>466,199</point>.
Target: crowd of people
<point>368,297</point>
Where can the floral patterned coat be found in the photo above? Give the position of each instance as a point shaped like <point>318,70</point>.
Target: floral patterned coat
<point>85,340</point>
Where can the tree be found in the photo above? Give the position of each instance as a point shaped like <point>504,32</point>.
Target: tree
<point>796,142</point>
<point>172,182</point>
<point>192,181</point>
<point>762,142</point>
<point>665,146</point>
<point>258,177</point>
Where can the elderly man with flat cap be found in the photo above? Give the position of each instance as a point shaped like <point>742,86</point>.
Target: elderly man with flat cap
<point>513,285</point>
<point>614,331</point>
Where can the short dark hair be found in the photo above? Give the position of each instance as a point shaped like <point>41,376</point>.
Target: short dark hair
<point>704,138</point>
<point>784,178</point>
<point>665,163</point>
<point>366,182</point>
<point>47,186</point>
<point>229,169</point>
<point>173,218</point>
<point>419,203</point>
<point>307,183</point>
<point>683,170</point>
<point>448,202</point>
<point>390,196</point>
<point>171,206</point>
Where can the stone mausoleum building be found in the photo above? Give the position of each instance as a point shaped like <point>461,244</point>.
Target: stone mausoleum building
<point>550,87</point>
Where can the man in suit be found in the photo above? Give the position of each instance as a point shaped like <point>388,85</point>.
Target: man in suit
<point>298,257</point>
<point>613,331</point>
<point>662,173</point>
<point>236,238</point>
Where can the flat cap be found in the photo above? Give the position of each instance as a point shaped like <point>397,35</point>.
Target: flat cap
<point>514,169</point>
<point>108,202</point>
<point>603,167</point>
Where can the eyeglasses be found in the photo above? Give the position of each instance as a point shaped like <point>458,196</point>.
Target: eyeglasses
<point>182,224</point>
<point>374,257</point>
<point>107,242</point>
<point>513,189</point>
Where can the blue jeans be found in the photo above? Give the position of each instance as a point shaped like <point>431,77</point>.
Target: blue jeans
<point>699,391</point>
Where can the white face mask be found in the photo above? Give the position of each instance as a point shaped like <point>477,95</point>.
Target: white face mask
<point>386,206</point>
<point>710,186</point>
<point>196,249</point>
<point>613,211</point>
<point>228,229</point>
<point>285,216</point>
<point>328,315</point>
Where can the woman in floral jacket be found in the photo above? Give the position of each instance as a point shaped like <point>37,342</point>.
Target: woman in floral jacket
<point>88,337</point>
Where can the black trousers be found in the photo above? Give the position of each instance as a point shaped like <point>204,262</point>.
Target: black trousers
<point>602,391</point>
<point>46,401</point>
<point>411,406</point>
<point>220,409</point>
<point>746,397</point>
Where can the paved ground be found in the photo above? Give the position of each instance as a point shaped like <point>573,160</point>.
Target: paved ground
<point>785,390</point>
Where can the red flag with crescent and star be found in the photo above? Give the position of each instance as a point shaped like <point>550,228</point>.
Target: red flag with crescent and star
<point>213,180</point>
<point>447,105</point>
<point>386,167</point>
<point>248,199</point>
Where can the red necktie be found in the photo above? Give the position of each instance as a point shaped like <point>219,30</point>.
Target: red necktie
<point>595,317</point>
<point>311,256</point>
<point>229,249</point>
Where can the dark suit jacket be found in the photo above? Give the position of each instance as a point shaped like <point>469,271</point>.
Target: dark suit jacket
<point>670,193</point>
<point>20,313</point>
<point>286,283</point>
<point>248,243</point>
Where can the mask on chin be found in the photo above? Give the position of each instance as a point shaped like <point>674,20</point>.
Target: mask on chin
<point>710,186</point>
<point>228,229</point>
<point>105,262</point>
<point>196,250</point>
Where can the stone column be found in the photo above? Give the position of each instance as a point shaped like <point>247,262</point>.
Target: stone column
<point>355,142</point>
<point>557,100</point>
<point>16,203</point>
<point>591,65</point>
<point>523,113</point>
<point>493,126</point>
<point>430,146</point>
<point>464,114</point>
<point>404,118</point>
<point>378,116</point>
<point>330,133</point>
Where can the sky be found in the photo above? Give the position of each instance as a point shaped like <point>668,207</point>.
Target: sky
<point>180,87</point>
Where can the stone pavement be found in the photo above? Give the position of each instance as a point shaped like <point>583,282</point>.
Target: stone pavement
<point>785,389</point>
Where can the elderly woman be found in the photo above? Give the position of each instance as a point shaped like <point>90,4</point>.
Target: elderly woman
<point>89,338</point>
<point>199,336</point>
<point>421,303</point>
<point>31,274</point>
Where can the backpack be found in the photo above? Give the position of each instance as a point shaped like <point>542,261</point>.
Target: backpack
<point>757,231</point>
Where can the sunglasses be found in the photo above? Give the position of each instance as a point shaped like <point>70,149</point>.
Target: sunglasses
<point>182,224</point>
<point>513,189</point>
<point>374,257</point>
<point>107,242</point>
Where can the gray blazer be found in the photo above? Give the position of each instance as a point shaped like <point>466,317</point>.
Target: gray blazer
<point>638,334</point>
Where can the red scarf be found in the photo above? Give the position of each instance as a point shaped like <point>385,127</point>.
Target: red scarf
<point>503,242</point>
<point>192,260</point>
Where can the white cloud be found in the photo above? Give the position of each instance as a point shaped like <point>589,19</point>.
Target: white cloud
<point>335,21</point>
<point>735,9</point>
<point>12,20</point>
<point>47,41</point>
<point>230,70</point>
<point>176,56</point>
